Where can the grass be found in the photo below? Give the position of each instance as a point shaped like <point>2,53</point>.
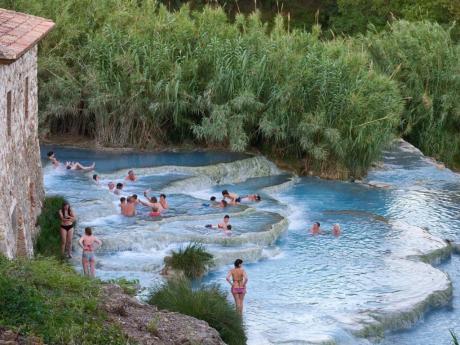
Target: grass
<point>208,303</point>
<point>129,287</point>
<point>454,338</point>
<point>50,300</point>
<point>48,242</point>
<point>194,260</point>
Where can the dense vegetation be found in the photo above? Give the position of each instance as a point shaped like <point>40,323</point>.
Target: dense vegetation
<point>48,243</point>
<point>131,73</point>
<point>50,300</point>
<point>208,303</point>
<point>193,260</point>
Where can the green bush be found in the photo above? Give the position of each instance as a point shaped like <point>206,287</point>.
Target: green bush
<point>208,303</point>
<point>130,287</point>
<point>48,242</point>
<point>47,299</point>
<point>424,60</point>
<point>194,260</point>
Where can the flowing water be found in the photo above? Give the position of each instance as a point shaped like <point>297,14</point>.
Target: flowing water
<point>353,289</point>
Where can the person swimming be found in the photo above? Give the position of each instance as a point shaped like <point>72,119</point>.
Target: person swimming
<point>87,242</point>
<point>237,278</point>
<point>315,228</point>
<point>234,198</point>
<point>96,178</point>
<point>52,158</point>
<point>224,225</point>
<point>118,188</point>
<point>336,231</point>
<point>79,166</point>
<point>131,177</point>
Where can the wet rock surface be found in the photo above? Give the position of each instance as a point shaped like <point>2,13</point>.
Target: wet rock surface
<point>147,325</point>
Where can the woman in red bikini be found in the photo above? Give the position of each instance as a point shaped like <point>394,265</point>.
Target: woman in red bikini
<point>238,282</point>
<point>67,220</point>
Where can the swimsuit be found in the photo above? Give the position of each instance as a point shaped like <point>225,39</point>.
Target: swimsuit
<point>154,214</point>
<point>238,290</point>
<point>238,199</point>
<point>66,227</point>
<point>88,256</point>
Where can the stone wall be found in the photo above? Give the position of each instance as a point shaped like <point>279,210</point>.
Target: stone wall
<point>21,180</point>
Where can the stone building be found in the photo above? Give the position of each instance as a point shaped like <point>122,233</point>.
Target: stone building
<point>21,180</point>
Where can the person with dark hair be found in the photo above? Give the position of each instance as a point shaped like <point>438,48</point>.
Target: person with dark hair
<point>221,204</point>
<point>87,242</point>
<point>131,177</point>
<point>96,178</point>
<point>237,278</point>
<point>53,158</point>
<point>67,217</point>
<point>118,188</point>
<point>152,202</point>
<point>234,198</point>
<point>224,225</point>
<point>163,201</point>
<point>129,209</point>
<point>316,228</point>
<point>213,198</point>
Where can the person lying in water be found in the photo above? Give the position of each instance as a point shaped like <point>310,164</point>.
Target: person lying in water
<point>131,177</point>
<point>234,198</point>
<point>251,197</point>
<point>79,166</point>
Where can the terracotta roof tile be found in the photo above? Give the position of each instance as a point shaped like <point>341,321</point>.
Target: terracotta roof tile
<point>19,32</point>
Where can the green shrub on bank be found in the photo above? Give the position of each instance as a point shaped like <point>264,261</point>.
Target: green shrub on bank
<point>194,260</point>
<point>208,303</point>
<point>48,242</point>
<point>425,61</point>
<point>47,299</point>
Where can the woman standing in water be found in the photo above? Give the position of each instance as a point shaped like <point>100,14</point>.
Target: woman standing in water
<point>87,242</point>
<point>67,220</point>
<point>238,282</point>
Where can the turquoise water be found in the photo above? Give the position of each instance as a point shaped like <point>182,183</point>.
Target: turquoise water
<point>303,289</point>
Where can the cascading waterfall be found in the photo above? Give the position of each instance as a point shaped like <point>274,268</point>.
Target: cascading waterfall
<point>377,276</point>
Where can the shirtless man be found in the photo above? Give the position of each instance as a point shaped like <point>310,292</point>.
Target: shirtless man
<point>131,177</point>
<point>234,198</point>
<point>53,159</point>
<point>163,201</point>
<point>315,229</point>
<point>78,166</point>
<point>122,205</point>
<point>221,204</point>
<point>130,208</point>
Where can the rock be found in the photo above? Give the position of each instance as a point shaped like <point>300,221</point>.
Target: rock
<point>8,337</point>
<point>147,325</point>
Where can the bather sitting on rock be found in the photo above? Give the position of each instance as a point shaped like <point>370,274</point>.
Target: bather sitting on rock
<point>234,198</point>
<point>79,166</point>
<point>316,228</point>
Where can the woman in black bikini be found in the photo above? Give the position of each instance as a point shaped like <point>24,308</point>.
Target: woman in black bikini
<point>67,220</point>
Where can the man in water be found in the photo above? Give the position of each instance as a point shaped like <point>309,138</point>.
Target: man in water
<point>336,231</point>
<point>316,228</point>
<point>111,186</point>
<point>130,208</point>
<point>79,166</point>
<point>53,159</point>
<point>152,202</point>
<point>234,198</point>
<point>119,188</point>
<point>96,178</point>
<point>131,177</point>
<point>123,205</point>
<point>163,201</point>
